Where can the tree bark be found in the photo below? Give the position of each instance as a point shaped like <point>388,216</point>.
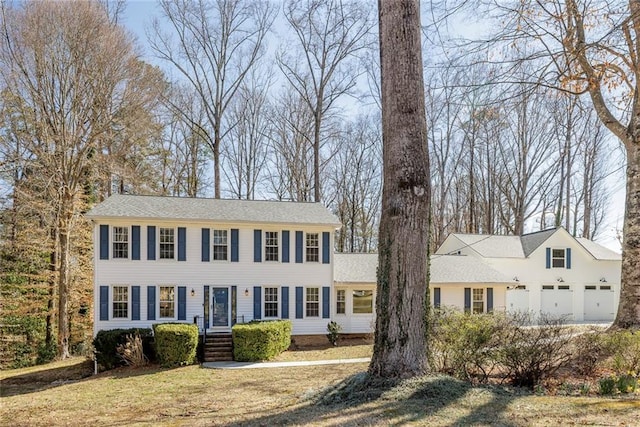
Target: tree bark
<point>400,348</point>
<point>629,307</point>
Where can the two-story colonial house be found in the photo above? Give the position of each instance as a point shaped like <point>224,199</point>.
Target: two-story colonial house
<point>216,262</point>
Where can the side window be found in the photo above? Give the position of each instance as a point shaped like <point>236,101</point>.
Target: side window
<point>341,301</point>
<point>362,302</point>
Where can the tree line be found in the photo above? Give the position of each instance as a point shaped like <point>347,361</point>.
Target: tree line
<point>245,99</point>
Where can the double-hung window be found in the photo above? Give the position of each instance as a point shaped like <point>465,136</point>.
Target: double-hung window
<point>362,302</point>
<point>270,302</point>
<point>271,246</point>
<point>220,245</point>
<point>120,302</point>
<point>478,300</point>
<point>167,243</point>
<point>558,258</point>
<point>313,302</point>
<point>120,242</point>
<point>341,301</point>
<point>313,248</point>
<point>167,301</point>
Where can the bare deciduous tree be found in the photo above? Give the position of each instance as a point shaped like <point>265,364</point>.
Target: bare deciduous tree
<point>214,45</point>
<point>330,33</point>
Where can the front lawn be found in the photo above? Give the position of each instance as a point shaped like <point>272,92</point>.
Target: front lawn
<point>60,394</point>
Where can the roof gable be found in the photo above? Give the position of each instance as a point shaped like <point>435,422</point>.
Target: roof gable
<point>220,210</point>
<point>532,241</point>
<point>491,246</point>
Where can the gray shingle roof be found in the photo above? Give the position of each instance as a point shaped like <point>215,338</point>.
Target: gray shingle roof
<point>598,251</point>
<point>531,241</point>
<point>361,268</point>
<point>493,246</point>
<point>219,210</point>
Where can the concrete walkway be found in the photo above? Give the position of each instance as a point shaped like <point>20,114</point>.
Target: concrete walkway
<point>258,365</point>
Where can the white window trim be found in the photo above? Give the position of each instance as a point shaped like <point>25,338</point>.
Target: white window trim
<point>264,246</point>
<point>345,302</point>
<point>112,241</point>
<point>213,230</point>
<point>264,302</point>
<point>112,301</point>
<point>318,247</point>
<point>373,302</point>
<point>484,300</point>
<point>564,258</point>
<point>175,245</point>
<point>319,302</point>
<point>175,302</point>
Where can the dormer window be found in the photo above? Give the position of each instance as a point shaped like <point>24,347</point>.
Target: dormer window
<point>558,258</point>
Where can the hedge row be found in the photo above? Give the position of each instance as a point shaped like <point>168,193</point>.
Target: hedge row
<point>256,341</point>
<point>176,343</point>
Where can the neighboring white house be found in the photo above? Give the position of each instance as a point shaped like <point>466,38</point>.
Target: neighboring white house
<point>216,262</point>
<point>219,262</point>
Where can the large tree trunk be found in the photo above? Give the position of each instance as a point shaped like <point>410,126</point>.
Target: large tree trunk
<point>400,348</point>
<point>629,308</point>
<point>64,279</point>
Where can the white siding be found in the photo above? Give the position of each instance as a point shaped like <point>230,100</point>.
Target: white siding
<point>196,274</point>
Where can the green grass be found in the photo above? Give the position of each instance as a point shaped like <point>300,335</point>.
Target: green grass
<point>65,393</point>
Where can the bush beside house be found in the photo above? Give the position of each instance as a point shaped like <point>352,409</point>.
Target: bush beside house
<point>176,343</point>
<point>258,341</point>
<point>106,345</point>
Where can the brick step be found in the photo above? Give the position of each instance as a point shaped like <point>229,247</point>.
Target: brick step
<point>218,356</point>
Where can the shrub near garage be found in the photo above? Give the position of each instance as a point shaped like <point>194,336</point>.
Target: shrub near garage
<point>256,341</point>
<point>176,343</point>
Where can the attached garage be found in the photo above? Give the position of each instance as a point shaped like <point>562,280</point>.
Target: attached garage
<point>518,300</point>
<point>557,301</point>
<point>599,302</point>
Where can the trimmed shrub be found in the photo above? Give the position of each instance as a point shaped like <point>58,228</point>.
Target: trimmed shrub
<point>106,345</point>
<point>256,341</point>
<point>176,343</point>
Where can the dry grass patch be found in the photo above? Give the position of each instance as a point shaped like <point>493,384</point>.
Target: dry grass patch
<point>314,395</point>
<point>328,352</point>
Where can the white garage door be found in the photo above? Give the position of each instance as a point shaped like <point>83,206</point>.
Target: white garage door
<point>557,301</point>
<point>598,302</point>
<point>517,300</point>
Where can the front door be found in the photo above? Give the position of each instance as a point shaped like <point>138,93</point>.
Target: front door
<point>220,308</point>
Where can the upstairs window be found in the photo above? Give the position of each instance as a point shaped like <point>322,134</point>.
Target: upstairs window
<point>558,258</point>
<point>313,248</point>
<point>167,243</point>
<point>167,301</point>
<point>220,245</point>
<point>270,302</point>
<point>313,302</point>
<point>120,242</point>
<point>120,302</point>
<point>271,246</point>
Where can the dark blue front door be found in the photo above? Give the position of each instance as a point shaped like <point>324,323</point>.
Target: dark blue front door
<point>220,313</point>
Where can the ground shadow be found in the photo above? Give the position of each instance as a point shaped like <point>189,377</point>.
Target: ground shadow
<point>362,400</point>
<point>33,382</point>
